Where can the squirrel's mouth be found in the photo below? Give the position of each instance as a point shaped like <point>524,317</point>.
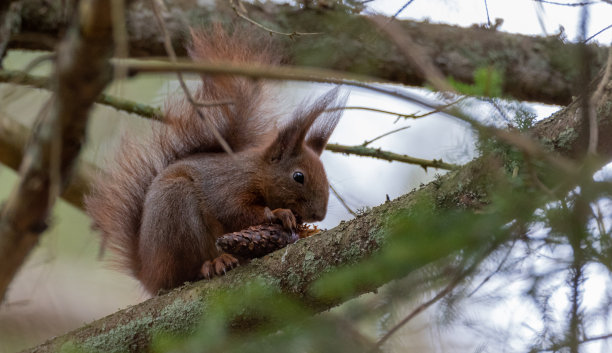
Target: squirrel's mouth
<point>298,218</point>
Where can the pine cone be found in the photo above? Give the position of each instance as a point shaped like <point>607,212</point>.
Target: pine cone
<point>256,241</point>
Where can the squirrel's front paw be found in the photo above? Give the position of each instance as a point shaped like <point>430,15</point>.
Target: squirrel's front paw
<point>219,266</point>
<point>283,216</point>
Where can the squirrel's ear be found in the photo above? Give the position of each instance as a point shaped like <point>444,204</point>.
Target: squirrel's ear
<point>324,126</point>
<point>291,137</point>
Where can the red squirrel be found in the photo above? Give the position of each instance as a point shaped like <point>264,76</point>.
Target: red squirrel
<point>165,200</point>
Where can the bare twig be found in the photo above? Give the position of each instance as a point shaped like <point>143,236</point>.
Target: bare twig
<point>490,275</point>
<point>557,348</point>
<point>365,143</point>
<point>128,106</point>
<point>598,33</point>
<point>419,309</point>
<point>575,4</point>
<point>438,109</point>
<point>31,65</point>
<point>488,17</point>
<point>346,206</point>
<point>400,10</point>
<point>389,156</point>
<point>242,14</point>
<point>399,115</point>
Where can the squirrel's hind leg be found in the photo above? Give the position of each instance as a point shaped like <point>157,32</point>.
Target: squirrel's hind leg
<point>176,238</point>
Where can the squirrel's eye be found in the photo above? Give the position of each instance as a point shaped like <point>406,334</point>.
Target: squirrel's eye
<point>299,177</point>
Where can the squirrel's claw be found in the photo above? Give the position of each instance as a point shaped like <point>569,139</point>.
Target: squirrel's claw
<point>219,266</point>
<point>283,216</point>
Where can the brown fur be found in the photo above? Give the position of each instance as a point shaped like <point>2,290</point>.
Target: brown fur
<point>164,201</point>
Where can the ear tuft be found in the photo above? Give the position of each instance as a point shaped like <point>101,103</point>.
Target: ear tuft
<point>324,126</point>
<point>291,138</point>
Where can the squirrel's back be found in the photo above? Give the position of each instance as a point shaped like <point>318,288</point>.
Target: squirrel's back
<point>118,194</point>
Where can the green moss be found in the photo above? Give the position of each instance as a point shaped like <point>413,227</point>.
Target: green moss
<point>181,314</point>
<point>115,339</point>
<point>293,280</point>
<point>70,347</point>
<point>566,138</point>
<point>604,111</point>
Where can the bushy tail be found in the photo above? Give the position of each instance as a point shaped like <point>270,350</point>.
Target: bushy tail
<point>118,194</point>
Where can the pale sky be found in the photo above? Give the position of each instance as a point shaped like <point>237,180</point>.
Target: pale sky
<point>520,16</point>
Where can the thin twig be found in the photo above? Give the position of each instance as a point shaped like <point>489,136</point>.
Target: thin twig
<point>449,288</point>
<point>31,65</point>
<point>128,106</point>
<point>39,60</point>
<point>401,115</point>
<point>566,4</point>
<point>490,275</point>
<point>367,142</point>
<point>599,221</point>
<point>269,30</point>
<point>389,156</point>
<point>170,50</point>
<point>346,206</point>
<point>557,348</point>
<point>419,309</point>
<point>400,10</point>
<point>487,9</point>
<point>598,33</point>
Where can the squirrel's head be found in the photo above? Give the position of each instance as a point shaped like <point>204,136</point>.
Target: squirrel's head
<point>297,179</point>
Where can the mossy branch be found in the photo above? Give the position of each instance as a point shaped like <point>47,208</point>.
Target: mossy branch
<point>456,52</point>
<point>125,105</point>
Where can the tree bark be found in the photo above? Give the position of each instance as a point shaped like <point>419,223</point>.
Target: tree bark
<point>539,69</point>
<point>294,269</point>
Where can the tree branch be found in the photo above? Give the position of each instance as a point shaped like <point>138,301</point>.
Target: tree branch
<point>350,43</point>
<point>156,114</point>
<point>13,138</point>
<point>294,269</point>
<point>125,105</point>
<point>81,73</point>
